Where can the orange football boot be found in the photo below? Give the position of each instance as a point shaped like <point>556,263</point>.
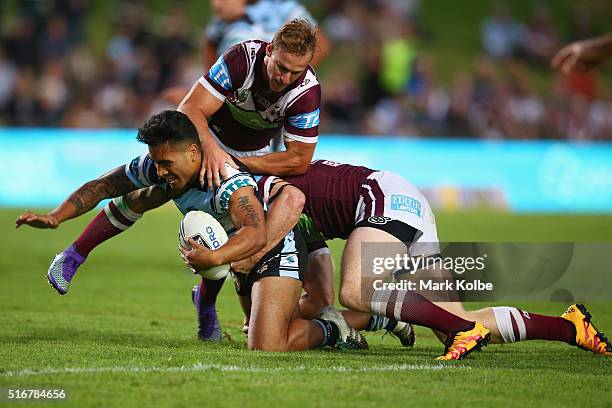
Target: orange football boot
<point>587,336</point>
<point>463,343</point>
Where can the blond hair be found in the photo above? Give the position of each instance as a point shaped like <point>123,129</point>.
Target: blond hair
<point>297,37</point>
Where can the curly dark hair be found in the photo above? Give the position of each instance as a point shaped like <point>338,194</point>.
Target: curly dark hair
<point>168,126</point>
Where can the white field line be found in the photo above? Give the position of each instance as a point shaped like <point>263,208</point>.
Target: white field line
<point>231,368</point>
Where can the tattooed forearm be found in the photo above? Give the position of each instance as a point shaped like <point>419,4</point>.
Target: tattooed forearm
<point>112,184</point>
<point>249,211</point>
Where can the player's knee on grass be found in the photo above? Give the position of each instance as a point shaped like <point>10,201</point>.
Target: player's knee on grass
<point>274,304</point>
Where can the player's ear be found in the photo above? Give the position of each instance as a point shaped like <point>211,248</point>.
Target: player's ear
<point>194,152</point>
<point>269,50</point>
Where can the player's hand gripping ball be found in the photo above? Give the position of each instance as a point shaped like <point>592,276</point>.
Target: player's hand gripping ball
<point>205,230</point>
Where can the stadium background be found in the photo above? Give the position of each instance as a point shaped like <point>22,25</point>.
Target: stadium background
<point>506,150</point>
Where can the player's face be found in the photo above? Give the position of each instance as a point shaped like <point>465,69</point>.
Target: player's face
<point>284,68</point>
<point>178,164</point>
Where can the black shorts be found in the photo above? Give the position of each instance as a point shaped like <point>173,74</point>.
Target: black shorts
<point>314,246</point>
<point>399,229</point>
<point>287,259</point>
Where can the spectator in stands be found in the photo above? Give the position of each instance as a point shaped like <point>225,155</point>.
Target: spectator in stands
<point>500,33</point>
<point>539,39</point>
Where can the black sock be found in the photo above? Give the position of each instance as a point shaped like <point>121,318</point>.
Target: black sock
<point>330,332</point>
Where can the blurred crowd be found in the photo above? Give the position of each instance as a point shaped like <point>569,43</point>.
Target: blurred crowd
<point>50,75</point>
<point>395,88</point>
<point>378,79</point>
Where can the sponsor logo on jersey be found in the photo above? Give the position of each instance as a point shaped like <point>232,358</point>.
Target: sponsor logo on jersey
<point>220,74</point>
<point>261,100</point>
<point>331,163</point>
<point>243,95</point>
<point>306,120</point>
<point>405,203</point>
<point>230,187</point>
<point>251,119</point>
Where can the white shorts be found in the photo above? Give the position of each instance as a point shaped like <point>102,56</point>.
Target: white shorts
<point>386,196</point>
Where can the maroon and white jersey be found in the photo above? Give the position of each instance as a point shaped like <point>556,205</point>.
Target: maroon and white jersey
<point>332,193</point>
<point>341,197</point>
<point>252,113</point>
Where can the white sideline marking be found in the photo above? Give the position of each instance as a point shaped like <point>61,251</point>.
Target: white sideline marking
<point>220,367</point>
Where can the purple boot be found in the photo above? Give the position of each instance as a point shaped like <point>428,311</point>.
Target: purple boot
<point>62,269</point>
<point>208,324</point>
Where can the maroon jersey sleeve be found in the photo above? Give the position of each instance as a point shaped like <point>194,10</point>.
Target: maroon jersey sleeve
<point>228,73</point>
<point>302,117</point>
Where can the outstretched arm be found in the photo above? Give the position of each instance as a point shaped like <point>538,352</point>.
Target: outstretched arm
<point>112,184</point>
<point>583,55</point>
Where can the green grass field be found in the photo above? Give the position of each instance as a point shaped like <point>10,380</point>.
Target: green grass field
<point>125,334</point>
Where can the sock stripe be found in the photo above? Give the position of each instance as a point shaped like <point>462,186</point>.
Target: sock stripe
<point>520,324</point>
<point>324,330</point>
<point>503,318</point>
<point>115,217</point>
<point>377,323</point>
<point>397,311</point>
<point>125,210</point>
<point>392,304</point>
<point>379,304</point>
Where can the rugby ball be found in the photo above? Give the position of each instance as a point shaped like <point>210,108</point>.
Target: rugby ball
<point>208,232</point>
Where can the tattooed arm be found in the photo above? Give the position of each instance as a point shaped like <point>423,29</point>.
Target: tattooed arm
<point>112,184</point>
<point>248,217</point>
<point>284,208</point>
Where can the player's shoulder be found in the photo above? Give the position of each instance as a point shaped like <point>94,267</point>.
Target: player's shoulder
<point>142,172</point>
<point>245,52</point>
<point>232,171</point>
<point>307,90</point>
<point>236,179</point>
<point>305,97</point>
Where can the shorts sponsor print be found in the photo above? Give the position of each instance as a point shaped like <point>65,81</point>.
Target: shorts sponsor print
<point>387,198</point>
